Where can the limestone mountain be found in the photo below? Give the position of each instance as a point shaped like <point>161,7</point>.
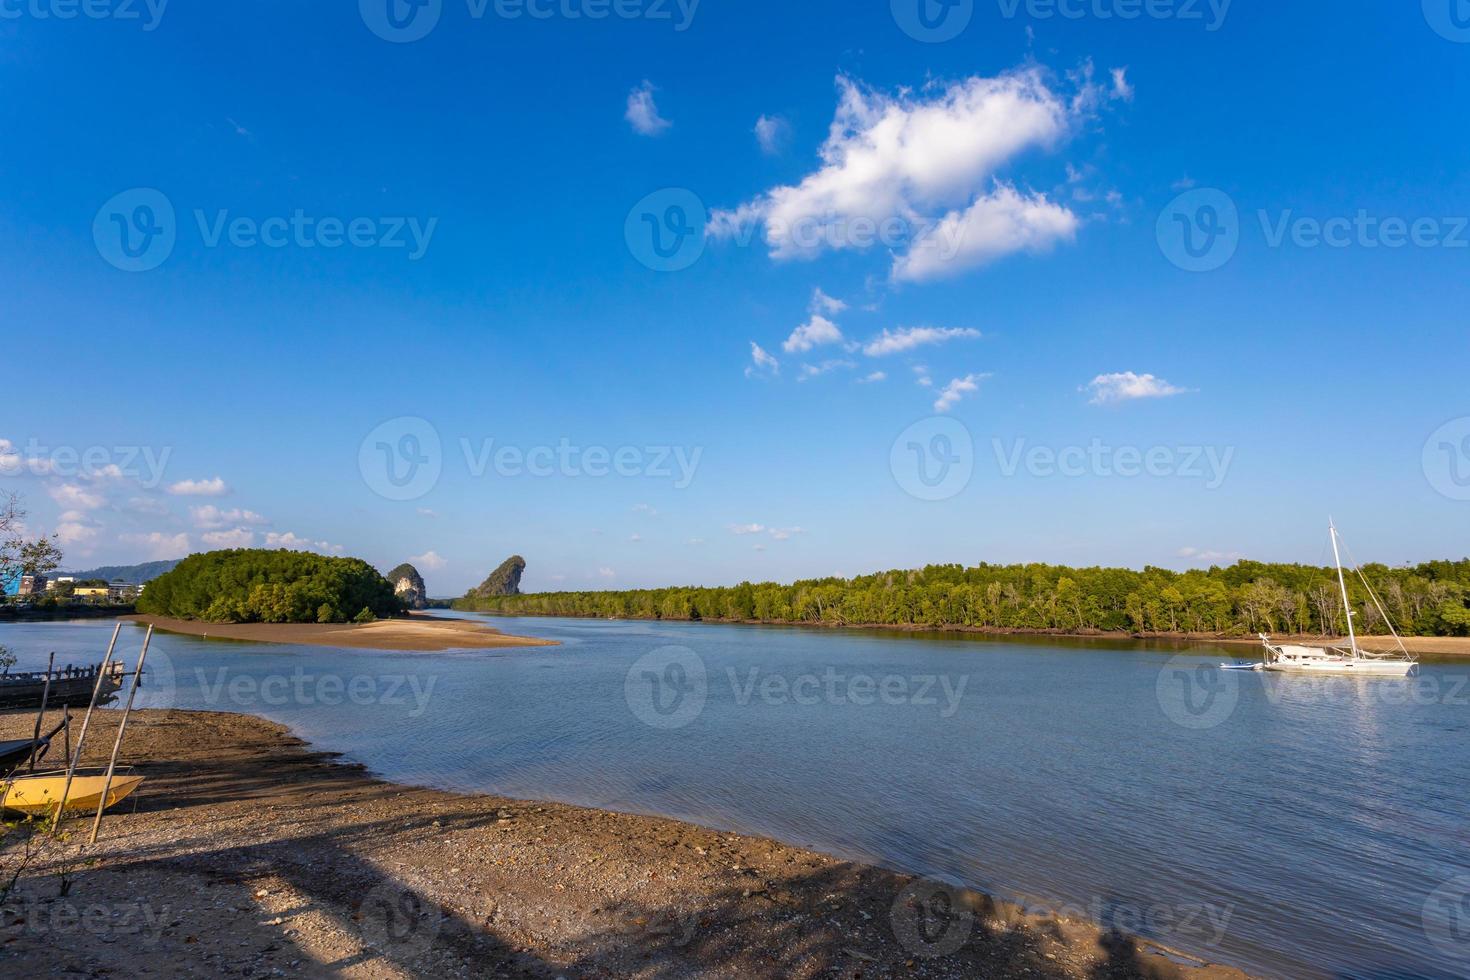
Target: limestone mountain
<point>409,585</point>
<point>505,580</point>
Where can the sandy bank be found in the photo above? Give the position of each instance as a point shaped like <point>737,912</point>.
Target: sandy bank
<point>416,633</point>
<point>250,855</point>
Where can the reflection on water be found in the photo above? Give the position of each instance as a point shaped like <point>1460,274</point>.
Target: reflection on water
<point>1300,827</point>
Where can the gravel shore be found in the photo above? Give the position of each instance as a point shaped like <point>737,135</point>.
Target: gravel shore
<point>247,854</point>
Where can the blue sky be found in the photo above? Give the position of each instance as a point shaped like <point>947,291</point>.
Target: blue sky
<point>513,159</point>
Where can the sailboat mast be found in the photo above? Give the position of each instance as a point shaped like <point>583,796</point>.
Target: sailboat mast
<point>1347,605</point>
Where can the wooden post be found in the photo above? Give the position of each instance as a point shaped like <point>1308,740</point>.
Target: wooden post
<point>71,769</point>
<point>41,715</point>
<point>117,746</point>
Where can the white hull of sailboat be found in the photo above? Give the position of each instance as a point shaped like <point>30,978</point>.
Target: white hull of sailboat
<point>1365,668</point>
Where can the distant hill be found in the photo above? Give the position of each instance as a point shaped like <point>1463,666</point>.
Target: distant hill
<point>131,574</point>
<point>504,581</point>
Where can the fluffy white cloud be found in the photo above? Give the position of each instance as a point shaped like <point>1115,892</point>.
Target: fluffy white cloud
<point>956,390</point>
<point>873,378</point>
<point>772,132</point>
<point>606,573</point>
<point>785,533</point>
<point>907,338</point>
<point>1212,557</point>
<point>996,225</point>
<point>199,488</point>
<point>211,517</point>
<point>910,159</point>
<point>1122,89</point>
<point>814,333</point>
<point>160,545</point>
<point>429,560</point>
<point>73,497</point>
<point>642,111</point>
<point>762,363</point>
<point>75,534</point>
<point>777,533</point>
<point>1110,389</point>
<point>240,537</point>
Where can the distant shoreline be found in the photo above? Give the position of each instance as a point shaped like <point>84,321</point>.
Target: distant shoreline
<point>1448,646</point>
<point>418,634</point>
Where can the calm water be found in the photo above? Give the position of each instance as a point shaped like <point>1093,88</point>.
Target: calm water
<point>1278,824</point>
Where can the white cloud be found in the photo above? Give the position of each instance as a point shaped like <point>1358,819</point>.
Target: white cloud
<point>762,363</point>
<point>913,159</point>
<point>822,303</point>
<point>209,517</point>
<point>240,537</point>
<point>956,390</point>
<point>160,545</point>
<point>426,512</point>
<point>1211,557</point>
<point>146,505</point>
<point>73,497</point>
<point>873,378</point>
<point>647,510</point>
<point>291,541</point>
<point>200,488</point>
<point>75,534</point>
<point>907,338</point>
<point>809,371</point>
<point>635,538</point>
<point>785,533</point>
<point>1110,389</point>
<point>772,132</point>
<point>995,226</point>
<point>430,560</point>
<point>606,573</point>
<point>695,542</point>
<point>921,376</point>
<point>642,111</point>
<point>1121,87</point>
<point>815,332</point>
<point>776,533</point>
<point>743,529</point>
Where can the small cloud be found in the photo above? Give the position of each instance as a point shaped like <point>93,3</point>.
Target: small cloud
<point>239,537</point>
<point>772,133</point>
<point>1212,557</point>
<point>646,509</point>
<point>146,505</point>
<point>199,488</point>
<point>695,542</point>
<point>429,560</point>
<point>606,573</point>
<point>956,390</point>
<point>426,512</point>
<point>209,517</point>
<point>1184,183</point>
<point>635,538</point>
<point>743,529</point>
<point>908,338</point>
<point>642,111</point>
<point>239,130</point>
<point>73,497</point>
<point>809,371</point>
<point>814,333</point>
<point>762,363</point>
<point>822,303</point>
<point>1111,389</point>
<point>294,542</point>
<point>1121,87</point>
<point>160,545</point>
<point>921,376</point>
<point>873,378</point>
<point>785,533</point>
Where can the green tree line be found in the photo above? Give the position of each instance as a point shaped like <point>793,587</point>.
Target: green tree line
<point>257,586</point>
<point>1245,598</point>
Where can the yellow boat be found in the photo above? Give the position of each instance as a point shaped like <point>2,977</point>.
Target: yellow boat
<point>37,794</point>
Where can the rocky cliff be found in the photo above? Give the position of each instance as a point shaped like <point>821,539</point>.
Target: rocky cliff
<point>409,585</point>
<point>505,580</point>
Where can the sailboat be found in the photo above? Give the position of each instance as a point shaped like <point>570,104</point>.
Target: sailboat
<point>1288,658</point>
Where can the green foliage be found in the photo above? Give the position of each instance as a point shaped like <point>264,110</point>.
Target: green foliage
<point>1245,598</point>
<point>254,586</point>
